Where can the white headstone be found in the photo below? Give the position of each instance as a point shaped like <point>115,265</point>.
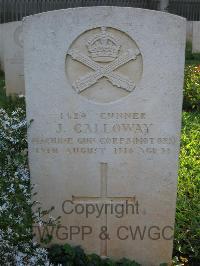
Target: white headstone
<point>189,31</point>
<point>14,58</point>
<point>196,37</point>
<point>164,5</point>
<point>1,47</point>
<point>104,90</point>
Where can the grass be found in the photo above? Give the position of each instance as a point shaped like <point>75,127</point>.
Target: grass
<point>187,232</point>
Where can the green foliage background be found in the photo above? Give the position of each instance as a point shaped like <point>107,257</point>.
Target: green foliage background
<point>191,93</point>
<point>187,230</point>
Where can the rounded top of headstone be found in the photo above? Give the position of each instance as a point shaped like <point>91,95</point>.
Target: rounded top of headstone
<point>103,8</point>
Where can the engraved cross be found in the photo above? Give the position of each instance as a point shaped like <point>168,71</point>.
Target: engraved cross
<point>103,199</point>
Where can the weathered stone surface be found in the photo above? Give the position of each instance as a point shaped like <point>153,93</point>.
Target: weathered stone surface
<point>189,30</point>
<point>196,37</point>
<point>104,90</point>
<point>1,47</point>
<point>13,57</point>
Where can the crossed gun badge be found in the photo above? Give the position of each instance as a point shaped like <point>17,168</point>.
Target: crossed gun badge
<point>106,71</point>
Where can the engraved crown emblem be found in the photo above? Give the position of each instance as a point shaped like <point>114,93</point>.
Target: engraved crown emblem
<point>103,47</point>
